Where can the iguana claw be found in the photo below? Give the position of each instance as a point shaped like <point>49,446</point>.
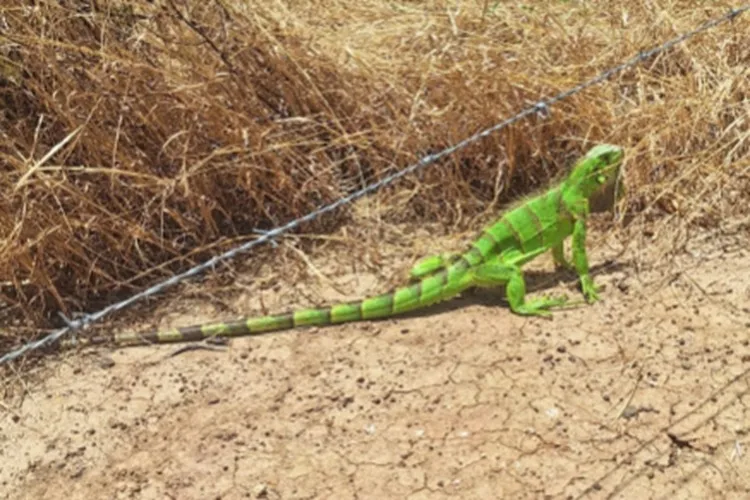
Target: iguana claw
<point>590,290</point>
<point>541,306</point>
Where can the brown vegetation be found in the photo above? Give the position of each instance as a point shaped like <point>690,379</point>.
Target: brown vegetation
<point>137,138</point>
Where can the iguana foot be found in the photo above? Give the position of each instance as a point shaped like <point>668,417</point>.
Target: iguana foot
<point>590,290</point>
<point>541,306</point>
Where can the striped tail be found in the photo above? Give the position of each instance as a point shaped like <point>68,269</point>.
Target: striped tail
<point>432,289</point>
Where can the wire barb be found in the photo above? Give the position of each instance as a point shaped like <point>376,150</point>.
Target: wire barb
<point>538,108</point>
<point>542,109</point>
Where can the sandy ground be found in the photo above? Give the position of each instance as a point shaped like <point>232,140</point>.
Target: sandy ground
<point>642,395</point>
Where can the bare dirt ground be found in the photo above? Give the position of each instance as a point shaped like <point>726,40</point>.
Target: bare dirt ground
<point>642,395</point>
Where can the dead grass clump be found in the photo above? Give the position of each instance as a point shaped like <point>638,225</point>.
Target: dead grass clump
<point>139,136</point>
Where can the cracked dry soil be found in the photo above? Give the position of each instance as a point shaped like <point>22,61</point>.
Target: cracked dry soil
<point>642,395</point>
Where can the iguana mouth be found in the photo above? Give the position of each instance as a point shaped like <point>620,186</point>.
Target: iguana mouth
<point>606,198</point>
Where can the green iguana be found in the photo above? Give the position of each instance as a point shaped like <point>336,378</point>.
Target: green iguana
<point>539,224</point>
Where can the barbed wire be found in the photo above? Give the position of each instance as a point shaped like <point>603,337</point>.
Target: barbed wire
<point>541,108</point>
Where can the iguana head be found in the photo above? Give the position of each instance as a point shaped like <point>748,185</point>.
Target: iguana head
<point>597,177</point>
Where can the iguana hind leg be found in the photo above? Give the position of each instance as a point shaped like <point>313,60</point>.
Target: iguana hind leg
<point>496,273</point>
<point>432,264</point>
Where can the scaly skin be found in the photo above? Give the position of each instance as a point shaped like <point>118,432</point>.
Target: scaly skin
<point>494,259</point>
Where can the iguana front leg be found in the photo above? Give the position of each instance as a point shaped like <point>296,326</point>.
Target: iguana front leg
<point>580,260</point>
<point>558,255</point>
<point>496,273</point>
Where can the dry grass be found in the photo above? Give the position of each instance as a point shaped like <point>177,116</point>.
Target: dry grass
<point>137,137</point>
